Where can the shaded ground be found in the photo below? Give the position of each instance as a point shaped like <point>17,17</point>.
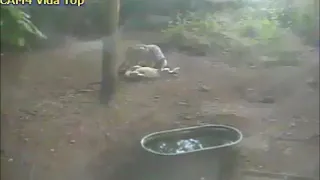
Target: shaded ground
<point>53,128</point>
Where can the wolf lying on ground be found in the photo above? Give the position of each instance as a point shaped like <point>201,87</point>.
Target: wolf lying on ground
<point>138,73</point>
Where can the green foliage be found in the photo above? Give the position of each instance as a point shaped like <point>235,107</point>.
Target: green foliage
<point>256,26</point>
<point>225,32</point>
<point>192,23</point>
<point>303,21</point>
<point>89,19</point>
<point>260,25</point>
<point>189,27</point>
<point>16,26</point>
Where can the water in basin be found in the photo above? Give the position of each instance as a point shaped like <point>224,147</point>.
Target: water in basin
<point>188,141</point>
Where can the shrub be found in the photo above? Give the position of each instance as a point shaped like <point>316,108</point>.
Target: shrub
<point>16,27</point>
<point>241,30</point>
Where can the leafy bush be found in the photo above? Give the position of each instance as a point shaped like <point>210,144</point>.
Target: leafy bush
<point>241,30</point>
<point>303,21</point>
<point>258,28</point>
<point>195,31</point>
<point>16,27</point>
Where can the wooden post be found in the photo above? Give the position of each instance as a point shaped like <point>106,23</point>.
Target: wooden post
<point>110,53</point>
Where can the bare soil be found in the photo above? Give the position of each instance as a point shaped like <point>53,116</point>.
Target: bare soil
<point>53,127</point>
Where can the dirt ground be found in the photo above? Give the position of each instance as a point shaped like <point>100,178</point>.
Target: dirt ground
<point>53,127</point>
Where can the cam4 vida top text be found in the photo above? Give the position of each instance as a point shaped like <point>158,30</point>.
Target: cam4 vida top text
<point>43,2</point>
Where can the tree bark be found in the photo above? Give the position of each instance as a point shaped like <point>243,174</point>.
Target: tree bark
<point>110,53</point>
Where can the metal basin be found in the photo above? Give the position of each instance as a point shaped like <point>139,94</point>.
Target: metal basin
<point>191,140</point>
<point>194,153</point>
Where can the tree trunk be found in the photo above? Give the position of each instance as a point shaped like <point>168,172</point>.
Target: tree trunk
<point>110,53</point>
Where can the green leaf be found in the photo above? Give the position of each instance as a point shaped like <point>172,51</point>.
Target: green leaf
<point>15,24</point>
<point>21,42</point>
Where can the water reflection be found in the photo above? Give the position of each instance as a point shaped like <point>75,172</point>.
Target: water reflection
<point>180,146</point>
<point>169,146</point>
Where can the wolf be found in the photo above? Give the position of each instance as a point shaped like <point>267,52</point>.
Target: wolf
<point>144,55</point>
